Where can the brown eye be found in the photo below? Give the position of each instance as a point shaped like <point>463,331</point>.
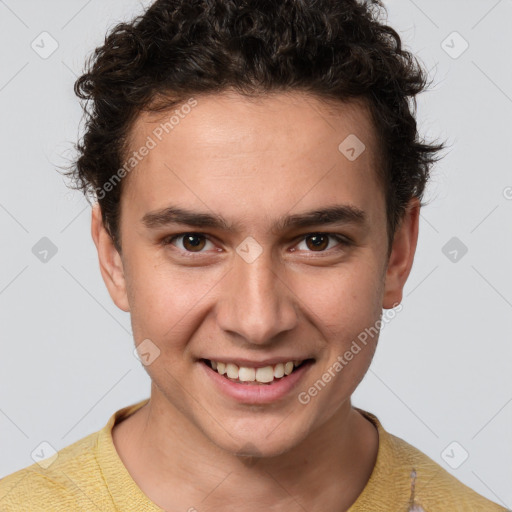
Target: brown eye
<point>321,243</point>
<point>193,242</point>
<point>190,242</point>
<point>318,242</point>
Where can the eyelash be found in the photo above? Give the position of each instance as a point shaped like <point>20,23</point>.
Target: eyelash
<point>342,240</point>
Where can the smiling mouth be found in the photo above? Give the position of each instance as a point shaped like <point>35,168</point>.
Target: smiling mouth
<point>256,376</point>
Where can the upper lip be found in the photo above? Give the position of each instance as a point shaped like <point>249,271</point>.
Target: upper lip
<point>250,363</point>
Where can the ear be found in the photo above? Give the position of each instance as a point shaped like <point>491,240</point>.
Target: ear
<point>111,264</point>
<point>402,255</point>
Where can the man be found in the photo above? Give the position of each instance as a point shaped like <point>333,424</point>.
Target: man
<point>259,179</point>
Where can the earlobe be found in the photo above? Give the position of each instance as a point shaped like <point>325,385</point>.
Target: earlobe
<point>402,255</point>
<point>111,264</point>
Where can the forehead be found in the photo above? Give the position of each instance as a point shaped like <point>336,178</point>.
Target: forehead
<point>302,120</point>
<point>225,150</point>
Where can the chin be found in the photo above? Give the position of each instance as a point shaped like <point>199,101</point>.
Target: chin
<point>260,441</point>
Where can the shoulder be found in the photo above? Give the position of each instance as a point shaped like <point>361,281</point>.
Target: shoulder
<point>417,479</point>
<point>69,480</point>
<point>406,479</point>
<point>75,478</point>
<point>435,489</point>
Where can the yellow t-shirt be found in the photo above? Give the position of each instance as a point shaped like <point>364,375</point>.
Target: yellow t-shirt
<point>89,475</point>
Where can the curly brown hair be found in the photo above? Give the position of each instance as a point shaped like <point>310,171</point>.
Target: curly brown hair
<point>333,49</point>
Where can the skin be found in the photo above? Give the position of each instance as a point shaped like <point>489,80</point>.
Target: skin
<point>253,162</point>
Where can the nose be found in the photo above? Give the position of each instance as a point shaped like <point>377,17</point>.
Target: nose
<point>257,305</point>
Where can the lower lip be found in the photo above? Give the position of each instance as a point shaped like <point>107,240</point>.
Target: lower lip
<point>257,393</point>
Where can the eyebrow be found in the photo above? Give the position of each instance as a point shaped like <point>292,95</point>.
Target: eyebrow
<point>336,214</point>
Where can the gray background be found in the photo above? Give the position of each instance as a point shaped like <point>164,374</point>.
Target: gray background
<point>442,370</point>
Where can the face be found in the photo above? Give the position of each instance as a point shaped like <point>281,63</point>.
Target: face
<point>224,259</point>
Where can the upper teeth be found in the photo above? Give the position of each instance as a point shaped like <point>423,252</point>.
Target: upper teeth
<point>247,374</point>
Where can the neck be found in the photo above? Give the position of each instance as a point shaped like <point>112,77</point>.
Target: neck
<point>177,467</point>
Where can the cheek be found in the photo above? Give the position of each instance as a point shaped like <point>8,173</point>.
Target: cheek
<point>346,307</point>
<point>167,303</point>
<point>170,302</point>
<point>341,301</point>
